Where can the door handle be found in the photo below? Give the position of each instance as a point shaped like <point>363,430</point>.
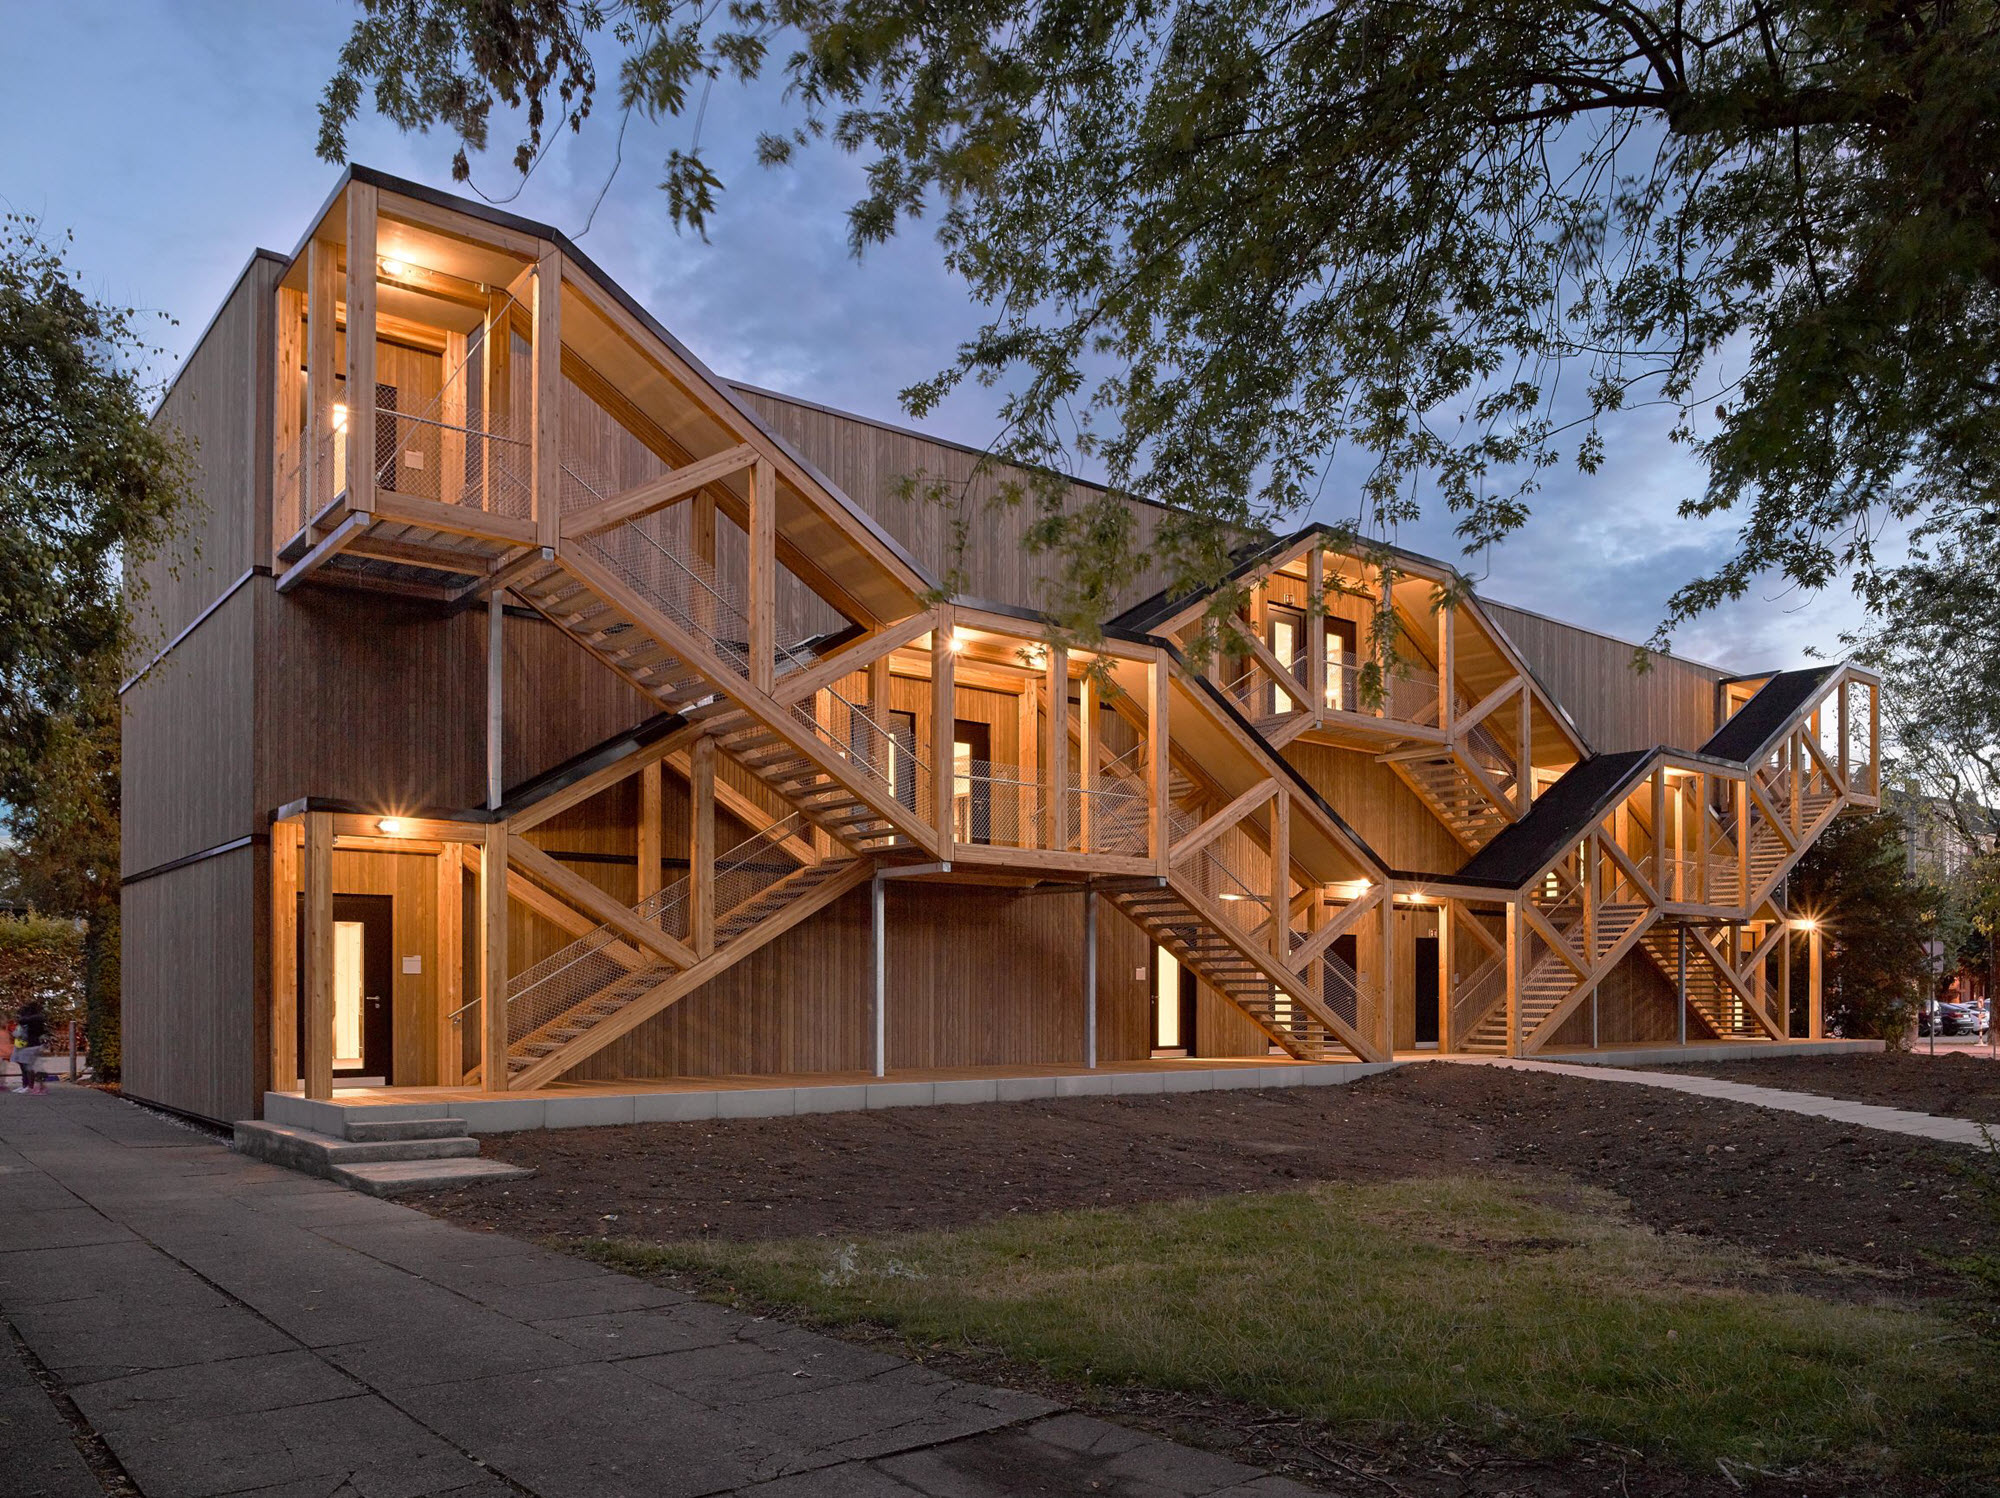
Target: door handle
<point>374,998</point>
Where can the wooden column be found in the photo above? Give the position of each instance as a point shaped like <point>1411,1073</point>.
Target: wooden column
<point>944,728</point>
<point>496,399</point>
<point>1662,870</point>
<point>450,960</point>
<point>1681,980</point>
<point>1815,996</point>
<point>1281,875</point>
<point>317,1063</point>
<point>1447,664</point>
<point>361,202</point>
<point>764,575</point>
<point>496,704</point>
<point>288,417</point>
<point>648,844</point>
<point>452,413</point>
<point>701,846</point>
<point>1514,975</point>
<point>547,346</point>
<point>701,545</point>
<point>1524,788</point>
<point>882,743</point>
<point>1159,759</point>
<point>1316,632</point>
<point>1844,761</point>
<point>1743,891</point>
<point>286,876</point>
<point>322,390</point>
<point>1386,1036</point>
<point>1086,760</point>
<point>1445,939</point>
<point>493,960</point>
<point>1055,754</point>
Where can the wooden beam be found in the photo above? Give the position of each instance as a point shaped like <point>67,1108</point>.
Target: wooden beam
<point>493,860</point>
<point>648,847</point>
<point>592,901</point>
<point>456,520</point>
<point>287,879</point>
<point>1087,737</point>
<point>763,534</point>
<point>1447,669</point>
<point>1386,1023</point>
<point>701,846</point>
<point>1350,916</point>
<point>1316,633</point>
<point>657,493</point>
<point>317,1063</point>
<point>324,550</point>
<point>1513,960</point>
<point>599,781</point>
<point>858,655</point>
<point>496,396</point>
<point>449,957</point>
<point>1213,827</point>
<point>361,304</point>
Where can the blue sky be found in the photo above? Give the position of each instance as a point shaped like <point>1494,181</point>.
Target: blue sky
<point>173,138</point>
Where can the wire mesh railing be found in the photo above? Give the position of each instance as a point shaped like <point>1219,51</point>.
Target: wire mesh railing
<point>1475,997</point>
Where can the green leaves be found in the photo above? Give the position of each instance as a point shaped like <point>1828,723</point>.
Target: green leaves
<point>1232,248</point>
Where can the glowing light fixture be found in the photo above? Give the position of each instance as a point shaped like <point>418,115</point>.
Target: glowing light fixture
<point>391,826</point>
<point>339,417</point>
<point>954,642</point>
<point>395,270</point>
<point>1806,923</point>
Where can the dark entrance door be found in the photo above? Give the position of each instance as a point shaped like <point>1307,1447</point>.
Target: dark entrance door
<point>364,986</point>
<point>972,781</point>
<point>1426,990</point>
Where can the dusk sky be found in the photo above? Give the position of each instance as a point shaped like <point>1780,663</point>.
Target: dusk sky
<point>172,139</point>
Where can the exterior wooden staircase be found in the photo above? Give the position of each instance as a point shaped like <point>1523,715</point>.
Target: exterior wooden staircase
<point>1444,785</point>
<point>1551,980</point>
<point>1709,997</point>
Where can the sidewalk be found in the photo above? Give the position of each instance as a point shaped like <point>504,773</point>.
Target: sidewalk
<point>216,1326</point>
<point>1840,1110</point>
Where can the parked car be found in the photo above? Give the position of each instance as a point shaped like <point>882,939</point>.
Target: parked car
<point>1945,1017</point>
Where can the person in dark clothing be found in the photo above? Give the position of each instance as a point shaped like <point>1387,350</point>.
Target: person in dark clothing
<point>31,1034</point>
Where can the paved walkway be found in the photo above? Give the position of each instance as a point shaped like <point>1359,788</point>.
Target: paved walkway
<point>1841,1110</point>
<point>202,1324</point>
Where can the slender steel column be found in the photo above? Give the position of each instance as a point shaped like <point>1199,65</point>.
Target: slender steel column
<point>879,952</point>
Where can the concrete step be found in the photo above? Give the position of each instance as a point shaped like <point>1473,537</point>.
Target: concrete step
<point>369,1131</point>
<point>318,1154</point>
<point>399,1177</point>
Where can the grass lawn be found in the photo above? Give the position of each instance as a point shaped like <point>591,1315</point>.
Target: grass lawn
<point>1526,1316</point>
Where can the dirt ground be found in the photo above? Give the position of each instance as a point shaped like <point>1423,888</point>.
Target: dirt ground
<point>1782,1184</point>
<point>1785,1186</point>
<point>1957,1084</point>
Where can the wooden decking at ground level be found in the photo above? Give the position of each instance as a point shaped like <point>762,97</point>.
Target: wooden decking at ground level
<point>566,1105</point>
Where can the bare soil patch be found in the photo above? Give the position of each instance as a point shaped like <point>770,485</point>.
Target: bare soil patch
<point>1954,1084</point>
<point>1785,1185</point>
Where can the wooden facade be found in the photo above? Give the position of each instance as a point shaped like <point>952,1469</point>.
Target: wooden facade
<point>523,660</point>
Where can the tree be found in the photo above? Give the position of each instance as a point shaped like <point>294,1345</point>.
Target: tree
<point>41,958</point>
<point>1855,881</point>
<point>86,482</point>
<point>1225,243</point>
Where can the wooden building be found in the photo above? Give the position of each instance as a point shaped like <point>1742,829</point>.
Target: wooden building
<point>529,706</point>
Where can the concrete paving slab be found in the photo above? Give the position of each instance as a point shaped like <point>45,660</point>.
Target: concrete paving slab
<point>38,1455</point>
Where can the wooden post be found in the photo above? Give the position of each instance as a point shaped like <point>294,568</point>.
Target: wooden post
<point>322,292</point>
<point>1701,804</point>
<point>285,975</point>
<point>883,758</point>
<point>1387,1033</point>
<point>1056,755</point>
<point>1792,749</point>
<point>1524,787</point>
<point>944,729</point>
<point>650,848</point>
<point>1445,941</point>
<point>496,373</point>
<point>701,846</point>
<point>1090,979</point>
<point>1874,740</point>
<point>361,202</point>
<point>1681,979</point>
<point>701,544</point>
<point>1514,974</point>
<point>1316,632</point>
<point>288,416</point>
<point>1447,664</point>
<point>763,538</point>
<point>1815,996</point>
<point>547,354</point>
<point>317,1063</point>
<point>451,413</point>
<point>1281,875</point>
<point>450,959</point>
<point>1743,890</point>
<point>1159,760</point>
<point>1846,765</point>
<point>493,1072</point>
<point>1027,738</point>
<point>1086,760</point>
<point>1662,871</point>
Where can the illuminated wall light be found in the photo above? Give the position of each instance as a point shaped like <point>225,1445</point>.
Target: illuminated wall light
<point>391,826</point>
<point>955,642</point>
<point>339,417</point>
<point>394,269</point>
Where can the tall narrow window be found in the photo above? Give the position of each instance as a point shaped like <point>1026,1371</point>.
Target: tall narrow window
<point>1286,633</point>
<point>1167,1027</point>
<point>347,979</point>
